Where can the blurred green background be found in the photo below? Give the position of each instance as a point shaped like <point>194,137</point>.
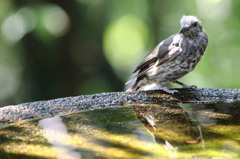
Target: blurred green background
<point>59,48</point>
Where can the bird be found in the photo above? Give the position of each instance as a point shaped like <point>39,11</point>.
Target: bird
<point>173,58</point>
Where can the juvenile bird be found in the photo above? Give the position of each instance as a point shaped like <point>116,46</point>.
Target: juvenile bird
<point>174,57</point>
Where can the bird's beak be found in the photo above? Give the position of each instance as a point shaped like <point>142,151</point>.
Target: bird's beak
<point>184,29</point>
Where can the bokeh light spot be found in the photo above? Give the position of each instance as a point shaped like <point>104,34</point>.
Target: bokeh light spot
<point>55,20</point>
<point>29,17</point>
<point>14,28</point>
<point>214,9</point>
<point>124,39</point>
<point>18,24</point>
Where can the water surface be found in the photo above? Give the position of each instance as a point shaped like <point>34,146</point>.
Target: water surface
<point>153,130</point>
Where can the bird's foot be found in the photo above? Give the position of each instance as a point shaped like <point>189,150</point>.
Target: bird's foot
<point>185,86</point>
<point>165,89</point>
<point>189,87</point>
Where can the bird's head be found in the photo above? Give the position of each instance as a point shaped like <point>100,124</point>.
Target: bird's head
<point>190,25</point>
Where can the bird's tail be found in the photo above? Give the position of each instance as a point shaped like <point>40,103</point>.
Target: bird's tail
<point>134,87</point>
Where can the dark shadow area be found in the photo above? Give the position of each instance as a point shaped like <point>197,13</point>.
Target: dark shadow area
<point>131,150</point>
<point>5,155</point>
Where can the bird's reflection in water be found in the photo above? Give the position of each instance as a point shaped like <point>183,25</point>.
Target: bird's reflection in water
<point>168,124</point>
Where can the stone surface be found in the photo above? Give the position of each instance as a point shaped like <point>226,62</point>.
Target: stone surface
<point>42,109</point>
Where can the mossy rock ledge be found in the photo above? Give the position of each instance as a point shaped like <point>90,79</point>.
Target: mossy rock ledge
<point>61,106</point>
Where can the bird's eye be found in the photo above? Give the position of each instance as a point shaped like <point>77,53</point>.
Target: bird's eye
<point>195,24</point>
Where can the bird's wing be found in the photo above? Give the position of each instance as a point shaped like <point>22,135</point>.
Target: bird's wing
<point>172,53</point>
<point>151,57</point>
<point>157,53</point>
<point>160,54</point>
<point>168,57</point>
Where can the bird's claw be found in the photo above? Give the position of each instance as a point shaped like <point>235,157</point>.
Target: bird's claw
<point>165,89</point>
<point>189,87</point>
<point>193,86</point>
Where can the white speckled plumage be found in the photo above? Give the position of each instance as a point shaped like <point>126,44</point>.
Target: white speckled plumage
<point>174,57</point>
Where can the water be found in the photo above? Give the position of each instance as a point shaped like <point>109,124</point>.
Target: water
<point>156,130</point>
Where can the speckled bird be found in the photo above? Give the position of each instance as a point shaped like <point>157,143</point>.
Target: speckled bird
<point>174,57</point>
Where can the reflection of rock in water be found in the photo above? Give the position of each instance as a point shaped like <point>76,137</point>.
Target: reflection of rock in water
<point>214,113</point>
<point>168,123</point>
